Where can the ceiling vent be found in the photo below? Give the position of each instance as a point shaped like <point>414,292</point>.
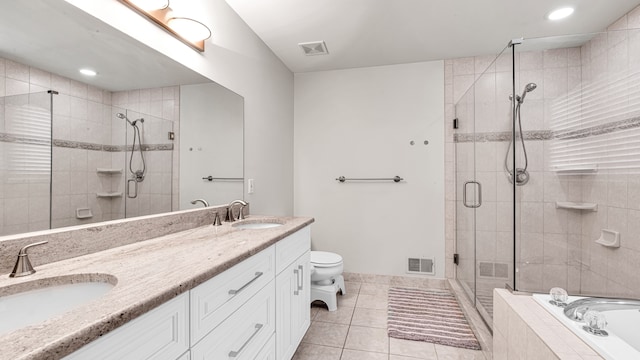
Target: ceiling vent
<point>314,48</point>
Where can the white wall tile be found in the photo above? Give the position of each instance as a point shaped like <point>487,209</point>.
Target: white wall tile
<point>16,71</point>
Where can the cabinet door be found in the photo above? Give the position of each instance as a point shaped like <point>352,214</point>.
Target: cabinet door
<point>162,333</point>
<point>302,301</point>
<point>292,306</point>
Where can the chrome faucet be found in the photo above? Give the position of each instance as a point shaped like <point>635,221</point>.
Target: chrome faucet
<point>230,217</point>
<point>23,265</point>
<point>203,201</point>
<point>577,309</point>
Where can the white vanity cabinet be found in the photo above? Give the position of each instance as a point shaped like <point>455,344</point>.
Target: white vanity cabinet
<point>256,310</point>
<point>292,292</point>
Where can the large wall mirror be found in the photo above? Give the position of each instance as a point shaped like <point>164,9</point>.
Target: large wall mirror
<point>141,137</point>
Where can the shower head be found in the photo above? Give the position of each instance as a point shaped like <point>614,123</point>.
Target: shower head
<point>528,88</point>
<point>132,123</point>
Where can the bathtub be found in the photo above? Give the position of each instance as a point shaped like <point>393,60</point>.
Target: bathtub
<point>623,341</point>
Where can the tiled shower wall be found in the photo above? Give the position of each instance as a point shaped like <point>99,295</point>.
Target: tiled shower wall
<point>556,247</point>
<point>87,136</point>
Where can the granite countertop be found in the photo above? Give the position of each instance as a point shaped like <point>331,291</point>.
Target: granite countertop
<point>148,274</point>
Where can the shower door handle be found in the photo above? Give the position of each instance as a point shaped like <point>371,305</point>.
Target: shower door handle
<point>464,195</point>
<point>135,189</point>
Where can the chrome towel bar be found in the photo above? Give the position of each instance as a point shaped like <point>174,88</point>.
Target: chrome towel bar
<point>211,178</point>
<point>395,179</point>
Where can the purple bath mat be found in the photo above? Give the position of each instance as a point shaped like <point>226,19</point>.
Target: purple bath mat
<point>429,315</point>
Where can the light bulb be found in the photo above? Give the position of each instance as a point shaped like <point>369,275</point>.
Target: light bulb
<point>189,29</point>
<point>150,5</point>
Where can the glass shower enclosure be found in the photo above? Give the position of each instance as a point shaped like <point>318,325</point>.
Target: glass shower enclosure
<point>66,160</point>
<point>547,169</point>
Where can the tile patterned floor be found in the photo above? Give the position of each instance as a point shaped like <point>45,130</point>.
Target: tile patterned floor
<point>358,331</point>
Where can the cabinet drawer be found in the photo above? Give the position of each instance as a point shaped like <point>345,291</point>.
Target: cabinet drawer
<point>268,352</point>
<point>213,301</point>
<point>161,333</point>
<point>292,247</point>
<point>243,334</point>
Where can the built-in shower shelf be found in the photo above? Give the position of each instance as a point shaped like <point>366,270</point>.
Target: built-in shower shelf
<point>576,170</point>
<point>108,171</point>
<point>109,194</point>
<point>576,206</point>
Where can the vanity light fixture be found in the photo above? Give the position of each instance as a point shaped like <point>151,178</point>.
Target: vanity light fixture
<point>150,5</point>
<point>560,13</point>
<point>88,72</point>
<point>187,30</point>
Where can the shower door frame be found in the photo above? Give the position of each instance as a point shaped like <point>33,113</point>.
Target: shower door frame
<point>472,132</point>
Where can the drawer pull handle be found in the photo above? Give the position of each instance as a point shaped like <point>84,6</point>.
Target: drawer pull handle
<point>234,292</point>
<point>295,272</point>
<point>300,286</point>
<point>236,353</point>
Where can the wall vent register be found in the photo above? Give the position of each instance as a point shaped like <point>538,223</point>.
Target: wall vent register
<point>421,266</point>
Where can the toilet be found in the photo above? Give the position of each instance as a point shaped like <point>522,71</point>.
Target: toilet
<point>326,278</point>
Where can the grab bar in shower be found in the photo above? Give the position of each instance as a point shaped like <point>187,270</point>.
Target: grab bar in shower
<point>394,179</point>
<point>211,178</point>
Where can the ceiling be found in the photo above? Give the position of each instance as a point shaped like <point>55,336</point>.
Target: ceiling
<point>361,33</point>
<point>55,36</point>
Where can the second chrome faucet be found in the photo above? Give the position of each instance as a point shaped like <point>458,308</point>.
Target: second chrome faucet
<point>230,216</point>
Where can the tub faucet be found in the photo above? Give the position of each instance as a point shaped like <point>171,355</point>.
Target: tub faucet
<point>230,217</point>
<point>203,201</point>
<point>576,310</point>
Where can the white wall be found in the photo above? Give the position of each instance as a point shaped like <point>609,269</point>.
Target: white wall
<point>211,143</point>
<point>359,123</point>
<point>237,59</point>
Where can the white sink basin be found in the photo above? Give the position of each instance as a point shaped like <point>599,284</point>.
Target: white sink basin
<point>256,224</point>
<point>34,306</point>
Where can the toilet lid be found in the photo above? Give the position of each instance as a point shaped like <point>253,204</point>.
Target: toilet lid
<point>325,259</point>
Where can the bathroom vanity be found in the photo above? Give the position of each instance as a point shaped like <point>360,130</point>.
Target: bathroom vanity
<point>232,291</point>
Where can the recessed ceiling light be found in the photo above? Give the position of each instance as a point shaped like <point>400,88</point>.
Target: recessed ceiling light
<point>560,13</point>
<point>88,72</point>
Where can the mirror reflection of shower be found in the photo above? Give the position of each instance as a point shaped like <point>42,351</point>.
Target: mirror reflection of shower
<point>137,175</point>
<point>521,174</point>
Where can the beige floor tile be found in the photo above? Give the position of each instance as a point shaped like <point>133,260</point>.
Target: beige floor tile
<point>417,349</point>
<point>369,317</point>
<point>367,339</point>
<point>374,289</point>
<point>454,353</point>
<point>378,302</point>
<point>362,355</point>
<point>314,311</point>
<point>352,287</point>
<point>316,352</point>
<point>321,333</point>
<point>398,357</point>
<point>341,316</point>
<point>348,300</point>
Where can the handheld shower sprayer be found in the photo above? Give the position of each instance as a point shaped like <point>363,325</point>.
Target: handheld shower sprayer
<point>132,123</point>
<point>138,175</point>
<point>521,175</point>
<point>527,89</point>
